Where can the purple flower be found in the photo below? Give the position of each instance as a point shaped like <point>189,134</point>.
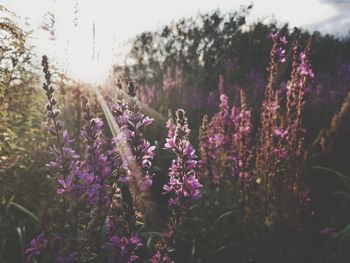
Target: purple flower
<point>66,186</point>
<point>217,140</point>
<point>274,36</point>
<point>36,245</point>
<point>283,40</point>
<point>304,66</point>
<point>170,143</point>
<point>97,167</point>
<point>123,248</point>
<point>183,183</point>
<point>68,164</point>
<point>224,105</point>
<point>133,124</point>
<point>227,141</point>
<point>69,160</point>
<point>279,132</point>
<point>145,121</point>
<point>279,52</point>
<point>159,258</point>
<point>170,125</point>
<point>191,187</point>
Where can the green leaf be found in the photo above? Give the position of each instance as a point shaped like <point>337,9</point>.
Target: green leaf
<point>21,241</point>
<point>222,248</point>
<point>25,210</point>
<point>224,215</point>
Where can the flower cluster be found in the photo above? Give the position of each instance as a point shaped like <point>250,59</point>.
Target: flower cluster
<point>97,168</point>
<point>183,182</point>
<point>84,180</point>
<point>241,146</point>
<point>123,248</point>
<point>225,141</point>
<point>219,132</point>
<point>281,147</point>
<point>69,159</point>
<point>159,258</point>
<point>85,191</point>
<point>226,148</point>
<point>104,187</point>
<point>304,66</point>
<point>133,123</point>
<point>279,51</point>
<point>36,245</point>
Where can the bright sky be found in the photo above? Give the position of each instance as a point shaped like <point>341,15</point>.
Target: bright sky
<point>116,22</point>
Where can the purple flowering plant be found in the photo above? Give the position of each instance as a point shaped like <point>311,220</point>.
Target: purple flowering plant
<point>103,189</point>
<point>105,186</point>
<point>183,182</point>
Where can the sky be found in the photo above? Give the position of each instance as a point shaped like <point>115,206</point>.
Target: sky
<point>116,22</point>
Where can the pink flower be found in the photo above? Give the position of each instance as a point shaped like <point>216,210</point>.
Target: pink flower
<point>36,245</point>
<point>159,258</point>
<point>274,36</point>
<point>244,176</point>
<point>305,67</point>
<point>170,143</point>
<point>283,40</point>
<point>279,132</point>
<point>183,183</point>
<point>66,186</point>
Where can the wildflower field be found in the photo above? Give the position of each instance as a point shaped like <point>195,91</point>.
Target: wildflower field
<point>219,141</point>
